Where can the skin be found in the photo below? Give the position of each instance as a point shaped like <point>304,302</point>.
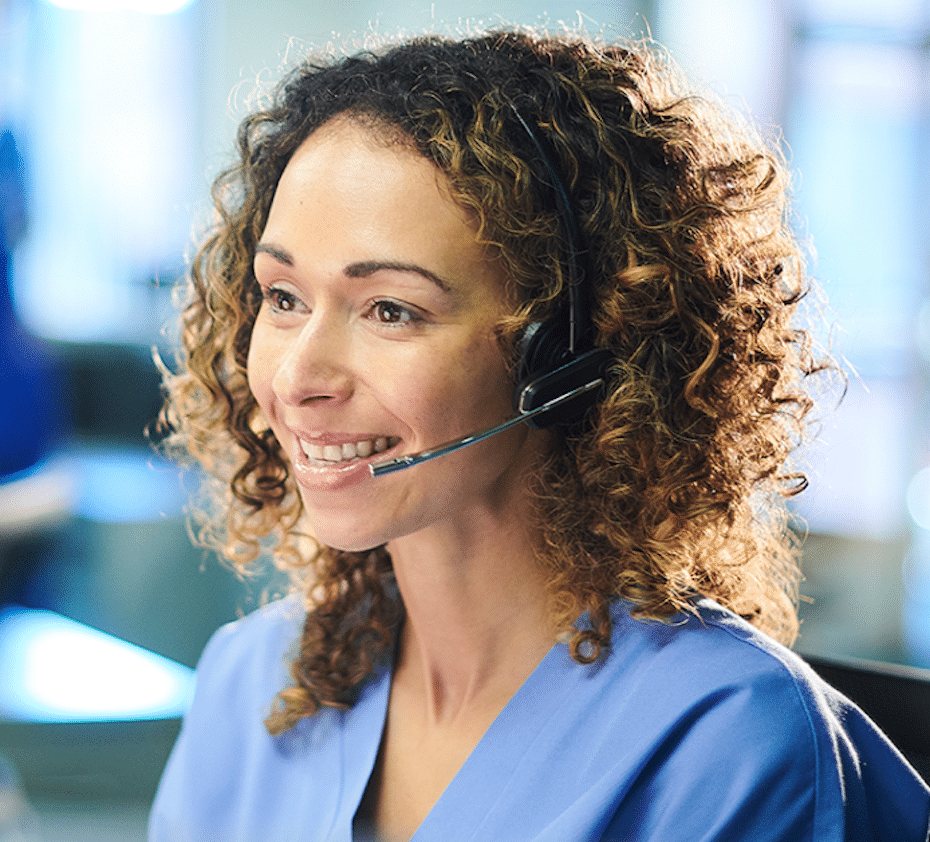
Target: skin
<point>378,323</point>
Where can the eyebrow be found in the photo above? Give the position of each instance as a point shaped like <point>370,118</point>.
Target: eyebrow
<point>362,269</point>
<point>278,254</point>
<point>369,267</point>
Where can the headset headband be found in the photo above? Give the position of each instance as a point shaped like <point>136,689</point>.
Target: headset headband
<point>577,315</point>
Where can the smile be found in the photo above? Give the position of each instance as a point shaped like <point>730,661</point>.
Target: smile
<point>347,451</point>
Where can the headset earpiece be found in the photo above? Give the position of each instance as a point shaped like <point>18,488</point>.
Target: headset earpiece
<point>542,348</point>
<point>556,379</point>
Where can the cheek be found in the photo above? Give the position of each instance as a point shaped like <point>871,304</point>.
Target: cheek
<point>477,385</point>
<point>260,369</point>
<point>484,367</point>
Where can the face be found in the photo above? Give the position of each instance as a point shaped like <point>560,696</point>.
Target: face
<point>376,338</point>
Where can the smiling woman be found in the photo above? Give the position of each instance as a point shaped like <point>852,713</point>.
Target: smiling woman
<point>377,331</point>
<point>572,629</point>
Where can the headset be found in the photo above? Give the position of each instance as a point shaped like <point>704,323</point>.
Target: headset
<point>558,357</point>
<point>560,374</point>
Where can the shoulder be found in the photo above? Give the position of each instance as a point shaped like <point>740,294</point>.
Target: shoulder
<point>732,713</point>
<point>712,651</point>
<point>242,668</point>
<point>713,664</point>
<point>244,665</point>
<point>254,650</point>
<point>720,677</point>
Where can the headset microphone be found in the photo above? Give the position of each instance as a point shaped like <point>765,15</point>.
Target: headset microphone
<point>410,460</point>
<point>561,373</point>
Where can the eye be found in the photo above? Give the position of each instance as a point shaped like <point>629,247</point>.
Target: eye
<point>280,300</point>
<point>390,312</point>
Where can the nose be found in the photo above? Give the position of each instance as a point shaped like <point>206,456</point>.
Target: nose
<point>313,364</point>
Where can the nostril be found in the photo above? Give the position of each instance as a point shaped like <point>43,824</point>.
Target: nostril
<point>312,399</point>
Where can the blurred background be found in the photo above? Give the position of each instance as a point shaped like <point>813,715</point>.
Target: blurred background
<point>114,117</point>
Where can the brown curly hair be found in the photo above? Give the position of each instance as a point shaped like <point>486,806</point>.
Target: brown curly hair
<point>675,486</point>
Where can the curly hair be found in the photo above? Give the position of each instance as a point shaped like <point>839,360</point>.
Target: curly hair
<point>676,484</point>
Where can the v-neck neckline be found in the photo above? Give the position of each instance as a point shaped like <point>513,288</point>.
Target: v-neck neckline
<point>472,776</point>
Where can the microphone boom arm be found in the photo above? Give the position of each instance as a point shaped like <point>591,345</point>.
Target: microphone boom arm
<point>410,460</point>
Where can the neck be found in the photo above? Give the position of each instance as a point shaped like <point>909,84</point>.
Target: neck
<point>476,613</point>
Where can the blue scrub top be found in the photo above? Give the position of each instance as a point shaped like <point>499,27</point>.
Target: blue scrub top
<point>701,730</point>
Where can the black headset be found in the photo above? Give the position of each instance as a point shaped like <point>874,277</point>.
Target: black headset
<point>558,356</point>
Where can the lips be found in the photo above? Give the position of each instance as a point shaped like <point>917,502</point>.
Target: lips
<point>328,462</point>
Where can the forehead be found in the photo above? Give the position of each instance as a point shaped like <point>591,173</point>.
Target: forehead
<point>353,165</point>
<point>353,193</point>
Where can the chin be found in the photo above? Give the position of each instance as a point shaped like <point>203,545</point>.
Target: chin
<point>359,546</point>
<point>347,540</point>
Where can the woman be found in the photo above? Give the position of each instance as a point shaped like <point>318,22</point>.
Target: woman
<point>564,631</point>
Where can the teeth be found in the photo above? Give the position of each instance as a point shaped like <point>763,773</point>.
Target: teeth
<point>348,451</point>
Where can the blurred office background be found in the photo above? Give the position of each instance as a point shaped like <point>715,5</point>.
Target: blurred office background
<point>114,117</point>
